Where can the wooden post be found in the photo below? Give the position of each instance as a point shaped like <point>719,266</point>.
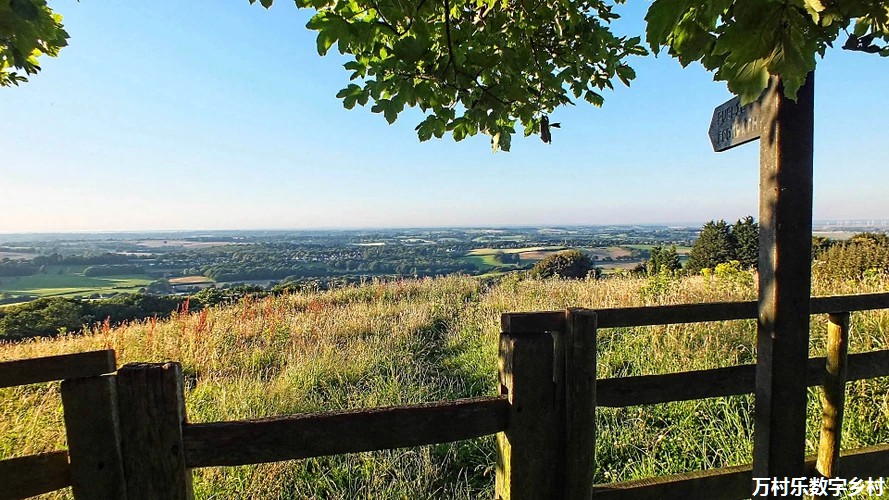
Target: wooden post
<point>834,396</point>
<point>93,430</point>
<point>785,265</point>
<point>528,458</point>
<point>152,413</point>
<point>580,402</point>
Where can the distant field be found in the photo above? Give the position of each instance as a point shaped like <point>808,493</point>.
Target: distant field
<point>64,285</point>
<point>680,250</point>
<point>190,280</point>
<point>492,251</point>
<point>183,243</point>
<point>834,235</point>
<point>16,255</point>
<point>613,257</point>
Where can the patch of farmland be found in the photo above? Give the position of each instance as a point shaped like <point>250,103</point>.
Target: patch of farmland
<point>190,280</point>
<point>538,254</point>
<point>65,285</point>
<point>183,243</point>
<point>491,251</point>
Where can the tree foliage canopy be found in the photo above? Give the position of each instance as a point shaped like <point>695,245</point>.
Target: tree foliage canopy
<point>489,65</point>
<point>567,264</point>
<point>28,30</point>
<point>720,242</point>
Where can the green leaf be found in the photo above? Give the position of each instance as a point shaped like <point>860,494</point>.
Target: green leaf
<point>24,9</point>
<point>749,80</point>
<point>390,114</point>
<point>662,17</point>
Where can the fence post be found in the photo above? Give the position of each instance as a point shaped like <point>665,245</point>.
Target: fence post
<point>93,431</point>
<point>152,412</point>
<point>528,455</point>
<point>834,396</point>
<point>785,267</point>
<point>580,402</point>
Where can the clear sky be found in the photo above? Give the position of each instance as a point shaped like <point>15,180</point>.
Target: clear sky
<point>208,114</point>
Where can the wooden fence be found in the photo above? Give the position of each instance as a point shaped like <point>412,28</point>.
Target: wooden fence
<point>128,436</point>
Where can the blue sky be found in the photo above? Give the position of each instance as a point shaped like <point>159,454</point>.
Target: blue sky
<point>213,114</point>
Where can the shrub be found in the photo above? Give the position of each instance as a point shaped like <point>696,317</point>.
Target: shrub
<point>567,264</point>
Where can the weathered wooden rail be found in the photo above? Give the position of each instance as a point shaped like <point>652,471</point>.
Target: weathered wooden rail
<point>128,435</point>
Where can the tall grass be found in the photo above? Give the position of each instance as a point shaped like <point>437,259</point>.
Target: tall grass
<point>414,341</point>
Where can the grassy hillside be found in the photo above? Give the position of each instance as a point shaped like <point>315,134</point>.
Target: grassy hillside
<point>427,340</point>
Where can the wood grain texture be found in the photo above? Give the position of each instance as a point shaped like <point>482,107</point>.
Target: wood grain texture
<point>580,403</point>
<point>533,322</point>
<point>833,397</point>
<point>528,455</point>
<point>24,477</point>
<point>304,436</point>
<point>785,268</point>
<point>46,369</point>
<point>152,413</point>
<point>93,432</point>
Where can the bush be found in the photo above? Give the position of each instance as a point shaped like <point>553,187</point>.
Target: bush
<point>567,264</point>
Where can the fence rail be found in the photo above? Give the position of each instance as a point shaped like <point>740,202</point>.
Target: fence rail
<point>535,322</point>
<point>735,482</point>
<point>49,368</point>
<point>305,436</point>
<point>128,435</point>
<point>23,477</point>
<point>719,382</point>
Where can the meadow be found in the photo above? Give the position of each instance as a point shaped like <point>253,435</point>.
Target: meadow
<point>436,339</point>
<point>70,283</point>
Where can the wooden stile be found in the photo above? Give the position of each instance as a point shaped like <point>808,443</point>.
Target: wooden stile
<point>528,459</point>
<point>833,397</point>
<point>152,413</point>
<point>49,368</point>
<point>304,436</point>
<point>24,477</point>
<point>93,431</point>
<point>580,403</point>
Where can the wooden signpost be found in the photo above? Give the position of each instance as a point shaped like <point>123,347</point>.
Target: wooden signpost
<point>733,124</point>
<point>785,128</point>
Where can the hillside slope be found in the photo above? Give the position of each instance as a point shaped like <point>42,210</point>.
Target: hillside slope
<point>435,339</point>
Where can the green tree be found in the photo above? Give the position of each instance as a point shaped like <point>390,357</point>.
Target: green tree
<point>567,264</point>
<point>746,236</point>
<point>28,30</point>
<point>662,259</point>
<point>852,259</point>
<point>714,246</point>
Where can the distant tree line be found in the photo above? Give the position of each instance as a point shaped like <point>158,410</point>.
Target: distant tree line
<point>17,268</point>
<point>47,317</point>
<point>56,259</point>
